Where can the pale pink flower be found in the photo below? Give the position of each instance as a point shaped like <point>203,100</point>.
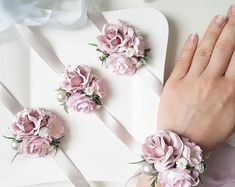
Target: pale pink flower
<point>34,146</point>
<point>162,149</point>
<point>192,153</point>
<point>115,37</point>
<point>178,178</point>
<point>76,79</point>
<point>121,64</point>
<point>81,103</point>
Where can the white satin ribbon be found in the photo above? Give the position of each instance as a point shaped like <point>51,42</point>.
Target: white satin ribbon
<point>45,52</point>
<point>70,170</point>
<point>62,160</point>
<point>118,129</point>
<point>96,17</point>
<point>9,101</point>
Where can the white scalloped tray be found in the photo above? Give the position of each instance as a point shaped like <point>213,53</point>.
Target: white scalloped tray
<point>93,148</point>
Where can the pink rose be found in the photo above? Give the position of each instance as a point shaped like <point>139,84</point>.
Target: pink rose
<point>98,86</point>
<point>81,103</point>
<point>178,178</point>
<point>28,122</point>
<point>115,38</point>
<point>76,79</point>
<point>34,146</point>
<point>137,43</point>
<point>162,149</point>
<point>192,153</point>
<point>121,64</point>
<point>55,127</point>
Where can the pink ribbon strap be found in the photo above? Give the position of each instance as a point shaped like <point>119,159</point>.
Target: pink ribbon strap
<point>62,160</point>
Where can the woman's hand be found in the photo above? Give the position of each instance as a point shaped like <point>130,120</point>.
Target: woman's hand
<point>198,100</point>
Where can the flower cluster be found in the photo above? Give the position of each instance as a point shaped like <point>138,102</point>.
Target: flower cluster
<point>80,90</point>
<point>177,161</point>
<point>36,132</point>
<point>121,48</point>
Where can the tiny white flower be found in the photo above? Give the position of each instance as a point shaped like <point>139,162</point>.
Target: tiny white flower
<point>97,107</point>
<point>181,163</point>
<point>43,132</point>
<point>200,168</point>
<point>130,52</point>
<point>89,91</point>
<point>101,54</point>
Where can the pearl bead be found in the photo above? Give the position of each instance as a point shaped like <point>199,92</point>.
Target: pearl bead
<point>147,168</point>
<point>62,96</point>
<point>14,144</point>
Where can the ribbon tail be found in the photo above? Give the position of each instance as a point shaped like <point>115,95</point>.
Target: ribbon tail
<point>118,130</point>
<point>96,17</point>
<point>10,102</point>
<point>45,52</point>
<point>69,169</point>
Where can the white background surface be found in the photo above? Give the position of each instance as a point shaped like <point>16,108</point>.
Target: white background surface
<point>184,17</point>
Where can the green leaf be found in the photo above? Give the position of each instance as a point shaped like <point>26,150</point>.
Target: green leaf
<point>97,100</point>
<point>59,90</point>
<point>154,178</point>
<point>138,162</point>
<point>146,51</point>
<point>207,156</point>
<point>14,157</point>
<point>65,107</point>
<point>10,138</point>
<point>143,61</point>
<point>92,44</point>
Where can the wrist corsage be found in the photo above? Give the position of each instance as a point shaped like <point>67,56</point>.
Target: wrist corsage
<point>80,90</point>
<point>36,133</point>
<point>121,48</point>
<point>173,160</point>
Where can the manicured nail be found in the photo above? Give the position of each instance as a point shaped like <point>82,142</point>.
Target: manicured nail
<point>232,10</point>
<point>193,37</point>
<point>220,19</point>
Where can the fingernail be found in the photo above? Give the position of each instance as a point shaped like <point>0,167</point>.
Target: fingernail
<point>219,20</point>
<point>232,10</point>
<point>193,37</point>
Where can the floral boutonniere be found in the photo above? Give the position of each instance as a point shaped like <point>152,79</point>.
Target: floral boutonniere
<point>121,48</point>
<point>80,90</point>
<point>36,133</point>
